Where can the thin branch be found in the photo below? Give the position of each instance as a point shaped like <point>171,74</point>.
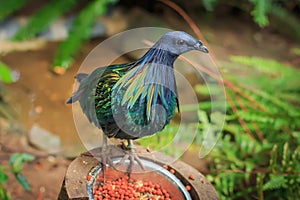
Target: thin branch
<point>237,90</point>
<point>256,127</point>
<point>185,16</point>
<point>225,82</point>
<point>241,121</point>
<point>219,79</point>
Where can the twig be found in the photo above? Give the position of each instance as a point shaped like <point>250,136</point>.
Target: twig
<point>185,16</point>
<point>197,31</point>
<point>241,121</point>
<point>257,129</point>
<point>220,80</point>
<point>225,82</point>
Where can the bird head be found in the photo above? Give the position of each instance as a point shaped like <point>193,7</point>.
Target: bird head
<point>179,42</point>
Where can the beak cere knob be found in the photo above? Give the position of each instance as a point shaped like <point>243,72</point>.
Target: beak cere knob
<point>199,46</point>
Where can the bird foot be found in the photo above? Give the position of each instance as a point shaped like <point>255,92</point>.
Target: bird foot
<point>105,159</point>
<point>132,157</point>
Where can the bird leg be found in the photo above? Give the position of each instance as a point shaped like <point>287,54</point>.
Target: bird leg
<point>104,156</point>
<point>131,155</point>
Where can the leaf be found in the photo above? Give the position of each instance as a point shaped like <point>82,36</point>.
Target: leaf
<point>23,181</point>
<point>3,194</point>
<point>260,11</point>
<point>273,159</point>
<point>3,176</point>
<point>17,160</point>
<point>209,4</point>
<point>7,7</point>
<point>276,181</point>
<point>5,73</point>
<point>296,51</point>
<point>268,66</point>
<point>41,20</point>
<point>287,19</point>
<point>81,31</point>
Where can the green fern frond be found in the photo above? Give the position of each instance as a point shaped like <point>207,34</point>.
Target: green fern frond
<point>273,159</point>
<point>286,156</point>
<point>5,73</point>
<point>209,4</point>
<point>288,20</point>
<point>260,12</point>
<point>276,181</point>
<point>296,51</point>
<point>41,20</point>
<point>8,7</point>
<point>80,32</point>
<point>254,117</point>
<point>267,66</point>
<point>280,103</point>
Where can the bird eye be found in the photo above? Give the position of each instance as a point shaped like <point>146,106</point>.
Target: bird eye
<point>180,42</point>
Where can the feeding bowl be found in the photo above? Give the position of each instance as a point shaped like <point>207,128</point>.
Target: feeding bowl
<point>158,180</point>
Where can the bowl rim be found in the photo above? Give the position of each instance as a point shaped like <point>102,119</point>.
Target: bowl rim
<point>154,166</point>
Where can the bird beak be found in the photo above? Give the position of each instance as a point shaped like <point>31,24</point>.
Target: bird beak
<point>199,46</point>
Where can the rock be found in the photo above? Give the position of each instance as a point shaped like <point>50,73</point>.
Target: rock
<point>44,140</point>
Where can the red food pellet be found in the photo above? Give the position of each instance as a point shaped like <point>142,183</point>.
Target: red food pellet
<point>165,167</point>
<point>88,177</point>
<point>159,192</point>
<point>172,171</point>
<point>188,188</point>
<point>123,188</point>
<point>191,176</point>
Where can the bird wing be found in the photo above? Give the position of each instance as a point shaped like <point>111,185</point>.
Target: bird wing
<point>150,83</point>
<point>89,88</point>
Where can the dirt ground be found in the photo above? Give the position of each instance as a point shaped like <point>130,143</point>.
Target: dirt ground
<point>38,87</point>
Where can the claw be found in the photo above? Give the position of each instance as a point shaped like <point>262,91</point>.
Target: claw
<point>132,157</point>
<point>105,159</point>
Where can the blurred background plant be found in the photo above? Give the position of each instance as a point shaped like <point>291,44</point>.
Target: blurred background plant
<point>264,12</point>
<point>257,156</point>
<point>15,167</point>
<point>258,153</point>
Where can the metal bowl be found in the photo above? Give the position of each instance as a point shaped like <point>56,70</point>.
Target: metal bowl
<point>153,172</point>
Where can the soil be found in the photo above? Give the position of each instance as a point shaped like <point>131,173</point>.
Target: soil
<point>39,97</point>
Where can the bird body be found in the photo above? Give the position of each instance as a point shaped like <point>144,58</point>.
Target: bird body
<point>138,99</point>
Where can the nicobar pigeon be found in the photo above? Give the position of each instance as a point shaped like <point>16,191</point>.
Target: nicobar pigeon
<point>137,99</point>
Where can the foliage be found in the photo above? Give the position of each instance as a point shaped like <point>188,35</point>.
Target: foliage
<point>6,76</point>
<point>16,164</point>
<point>262,162</point>
<point>81,28</point>
<point>3,179</point>
<point>81,31</point>
<point>259,158</point>
<point>296,51</point>
<point>5,73</point>
<point>7,7</point>
<point>41,20</point>
<point>209,4</point>
<point>260,11</point>
<point>282,13</point>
